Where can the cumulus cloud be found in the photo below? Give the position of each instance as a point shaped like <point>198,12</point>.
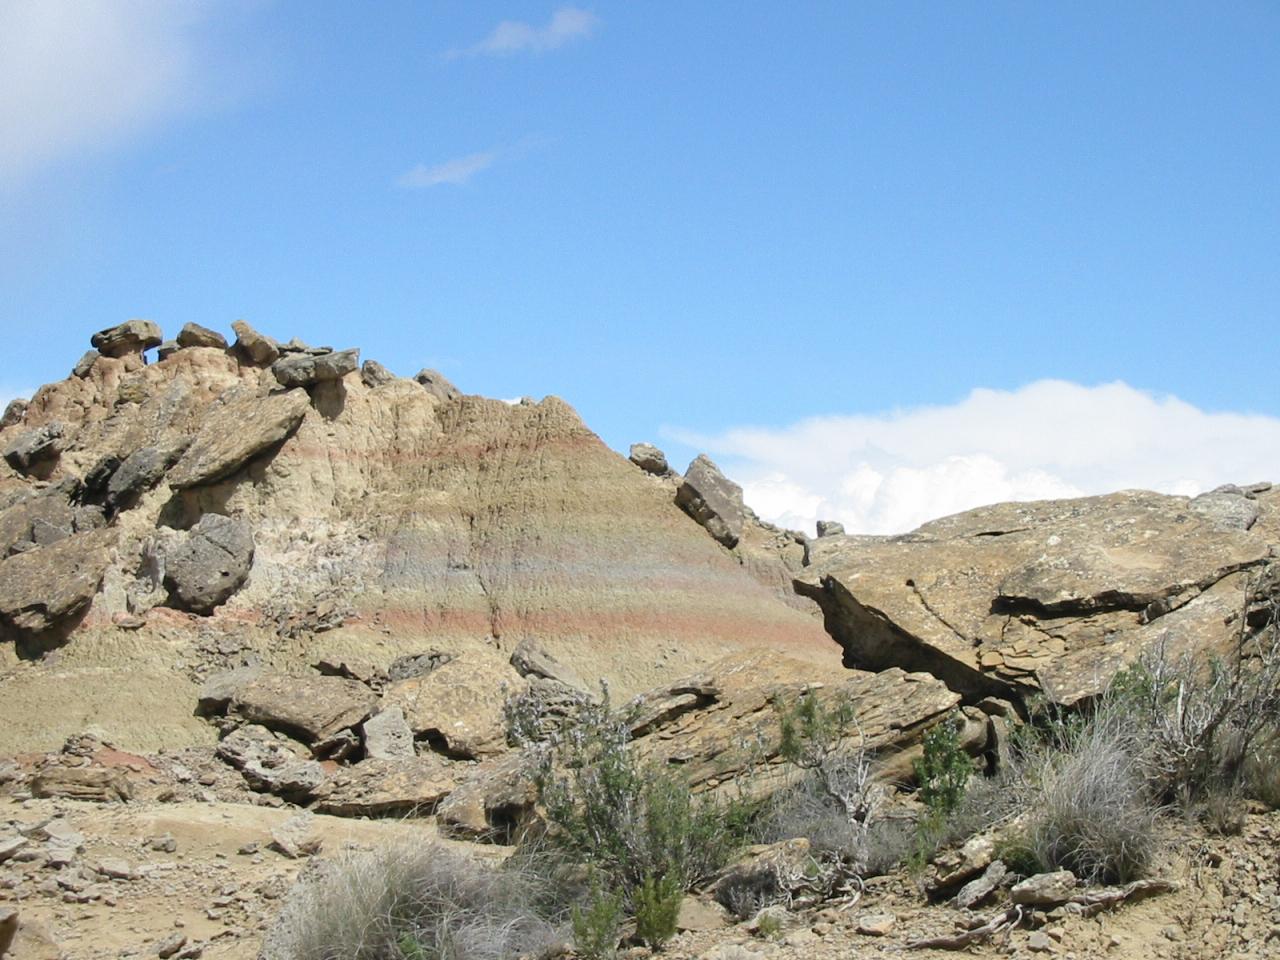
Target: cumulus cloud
<point>457,171</point>
<point>89,75</point>
<point>890,472</point>
<point>515,36</point>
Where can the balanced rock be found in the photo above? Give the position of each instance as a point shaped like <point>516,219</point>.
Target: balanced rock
<point>132,336</point>
<point>233,433</point>
<point>167,349</point>
<point>649,459</point>
<point>194,335</point>
<point>256,347</point>
<point>437,385</point>
<point>713,500</point>
<point>35,447</point>
<point>308,708</point>
<point>304,369</point>
<point>830,528</point>
<point>211,563</point>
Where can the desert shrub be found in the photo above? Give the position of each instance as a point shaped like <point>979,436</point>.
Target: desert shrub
<point>1261,771</point>
<point>421,902</point>
<point>657,910</point>
<point>943,769</point>
<point>597,922</point>
<point>1088,809</point>
<point>627,817</point>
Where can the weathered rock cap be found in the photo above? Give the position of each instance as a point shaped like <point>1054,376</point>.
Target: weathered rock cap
<point>437,384</point>
<point>649,459</point>
<point>194,335</point>
<point>14,412</point>
<point>256,347</point>
<point>713,500</point>
<point>132,336</point>
<point>302,369</point>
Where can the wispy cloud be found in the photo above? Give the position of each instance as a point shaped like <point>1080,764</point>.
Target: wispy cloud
<point>457,171</point>
<point>890,472</point>
<point>90,75</point>
<point>510,37</point>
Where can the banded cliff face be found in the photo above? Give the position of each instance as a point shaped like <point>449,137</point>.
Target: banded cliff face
<point>373,518</point>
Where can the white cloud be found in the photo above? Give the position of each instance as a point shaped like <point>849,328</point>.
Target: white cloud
<point>515,36</point>
<point>890,472</point>
<point>89,75</point>
<point>457,171</point>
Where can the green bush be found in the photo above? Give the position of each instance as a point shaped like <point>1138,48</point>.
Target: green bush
<point>943,769</point>
<point>627,817</point>
<point>658,909</point>
<point>595,927</point>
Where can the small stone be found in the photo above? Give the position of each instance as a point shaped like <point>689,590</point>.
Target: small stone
<point>1039,942</point>
<point>373,374</point>
<point>170,945</point>
<point>116,869</point>
<point>876,924</point>
<point>163,844</point>
<point>649,459</point>
<point>1045,889</point>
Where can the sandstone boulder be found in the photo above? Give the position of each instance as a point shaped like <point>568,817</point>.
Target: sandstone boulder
<point>457,708</point>
<point>713,500</point>
<point>210,563</point>
<point>1053,595</point>
<point>194,335</point>
<point>373,374</point>
<point>408,786</point>
<point>1045,889</point>
<point>272,764</point>
<point>14,411</point>
<point>84,366</point>
<point>308,708</point>
<point>387,736</point>
<point>132,336</point>
<point>257,348</point>
<point>305,369</point>
<point>437,385</point>
<point>649,459</point>
<point>531,660</point>
<point>142,470</point>
<point>494,803</point>
<point>34,447</point>
<point>41,588</point>
<point>234,433</point>
<point>217,692</point>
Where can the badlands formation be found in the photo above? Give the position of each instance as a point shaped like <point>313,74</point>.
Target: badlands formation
<point>259,600</point>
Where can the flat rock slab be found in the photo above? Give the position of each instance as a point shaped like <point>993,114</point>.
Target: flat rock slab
<point>309,708</point>
<point>997,597</point>
<point>97,784</point>
<point>234,433</point>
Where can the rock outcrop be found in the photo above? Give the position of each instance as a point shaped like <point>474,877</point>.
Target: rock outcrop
<point>1053,596</point>
<point>649,459</point>
<point>229,437</point>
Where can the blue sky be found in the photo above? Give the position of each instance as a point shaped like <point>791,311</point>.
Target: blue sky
<point>686,219</point>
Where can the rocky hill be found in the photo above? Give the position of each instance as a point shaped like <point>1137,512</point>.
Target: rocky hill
<point>264,575</point>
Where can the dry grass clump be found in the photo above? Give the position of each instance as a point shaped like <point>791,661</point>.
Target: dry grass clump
<point>414,902</point>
